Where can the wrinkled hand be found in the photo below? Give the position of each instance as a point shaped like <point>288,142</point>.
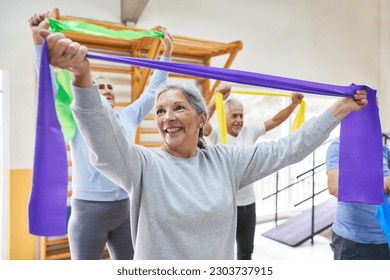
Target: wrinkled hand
<point>167,42</point>
<point>358,102</point>
<point>344,106</point>
<point>69,55</point>
<point>37,23</point>
<point>296,98</point>
<point>225,90</point>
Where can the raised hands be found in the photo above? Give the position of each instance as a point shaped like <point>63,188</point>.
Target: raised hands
<point>359,100</point>
<point>225,90</point>
<point>296,98</point>
<point>167,42</point>
<point>37,23</point>
<point>69,55</point>
<point>344,106</point>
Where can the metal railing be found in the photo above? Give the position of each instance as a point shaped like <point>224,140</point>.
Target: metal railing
<point>308,174</point>
<point>386,138</point>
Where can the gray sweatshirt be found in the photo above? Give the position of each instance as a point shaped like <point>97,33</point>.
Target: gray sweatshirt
<point>185,208</point>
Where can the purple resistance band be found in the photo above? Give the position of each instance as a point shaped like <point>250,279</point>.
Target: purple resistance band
<point>237,76</point>
<point>47,207</point>
<point>361,172</point>
<point>361,155</point>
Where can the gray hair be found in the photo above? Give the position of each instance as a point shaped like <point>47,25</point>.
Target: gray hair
<point>233,101</point>
<point>191,92</point>
<point>95,78</point>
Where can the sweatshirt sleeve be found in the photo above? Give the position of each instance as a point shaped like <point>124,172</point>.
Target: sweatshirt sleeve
<point>253,162</point>
<point>132,115</point>
<point>110,151</point>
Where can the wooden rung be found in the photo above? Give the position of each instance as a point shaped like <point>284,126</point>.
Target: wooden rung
<point>105,24</point>
<point>182,76</point>
<point>122,104</point>
<point>149,130</point>
<point>149,118</point>
<point>55,242</point>
<point>58,254</point>
<point>112,70</point>
<point>64,253</point>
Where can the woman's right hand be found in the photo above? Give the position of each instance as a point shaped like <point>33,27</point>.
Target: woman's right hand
<point>66,54</point>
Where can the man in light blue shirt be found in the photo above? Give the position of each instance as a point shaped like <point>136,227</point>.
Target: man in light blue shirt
<point>357,234</point>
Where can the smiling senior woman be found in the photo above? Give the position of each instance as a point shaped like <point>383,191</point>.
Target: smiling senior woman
<point>183,196</point>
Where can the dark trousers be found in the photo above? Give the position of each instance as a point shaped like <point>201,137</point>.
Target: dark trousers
<point>345,249</point>
<point>246,224</point>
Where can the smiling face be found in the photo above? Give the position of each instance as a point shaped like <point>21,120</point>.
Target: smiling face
<point>106,89</point>
<point>178,123</point>
<point>234,119</point>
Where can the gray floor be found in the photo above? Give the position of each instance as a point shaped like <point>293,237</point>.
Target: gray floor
<point>268,249</point>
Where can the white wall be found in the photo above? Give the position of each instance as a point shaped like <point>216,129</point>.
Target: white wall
<point>4,162</point>
<point>384,84</point>
<point>328,41</point>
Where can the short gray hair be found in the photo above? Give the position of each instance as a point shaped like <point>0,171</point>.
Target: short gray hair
<point>95,78</point>
<point>190,91</point>
<point>233,101</point>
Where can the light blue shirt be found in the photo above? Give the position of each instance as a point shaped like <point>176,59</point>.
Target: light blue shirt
<point>356,221</point>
